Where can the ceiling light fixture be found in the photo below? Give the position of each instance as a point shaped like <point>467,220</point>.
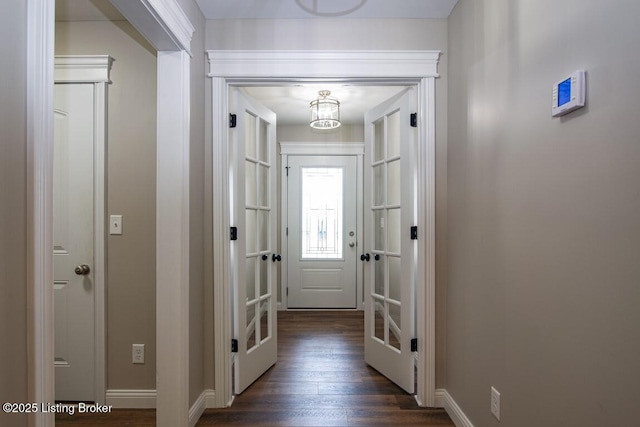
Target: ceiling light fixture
<point>325,111</point>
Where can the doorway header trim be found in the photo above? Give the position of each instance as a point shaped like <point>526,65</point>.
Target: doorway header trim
<point>326,63</point>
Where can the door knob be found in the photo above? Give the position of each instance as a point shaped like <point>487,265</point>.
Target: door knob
<point>351,244</point>
<point>275,257</point>
<point>377,257</point>
<point>264,257</point>
<point>82,270</point>
<point>365,257</point>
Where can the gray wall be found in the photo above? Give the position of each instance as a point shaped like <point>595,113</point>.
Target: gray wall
<point>131,290</point>
<point>354,34</point>
<point>544,214</point>
<point>13,209</point>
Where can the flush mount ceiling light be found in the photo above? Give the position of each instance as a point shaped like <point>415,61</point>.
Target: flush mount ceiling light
<point>325,111</point>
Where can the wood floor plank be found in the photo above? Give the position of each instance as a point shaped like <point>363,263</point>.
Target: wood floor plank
<point>320,379</point>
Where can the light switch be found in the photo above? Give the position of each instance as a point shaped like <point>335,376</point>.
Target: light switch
<point>115,225</point>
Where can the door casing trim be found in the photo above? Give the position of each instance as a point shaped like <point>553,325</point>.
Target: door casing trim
<point>320,149</point>
<point>243,68</point>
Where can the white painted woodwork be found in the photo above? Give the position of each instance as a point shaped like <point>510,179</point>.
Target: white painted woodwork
<point>39,198</point>
<point>419,68</point>
<point>390,274</point>
<point>74,294</point>
<point>172,239</point>
<point>254,213</point>
<point>318,282</point>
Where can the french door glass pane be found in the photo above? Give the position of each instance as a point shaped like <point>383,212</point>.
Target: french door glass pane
<point>395,326</point>
<point>378,319</point>
<point>378,287</point>
<point>250,191</point>
<point>378,140</point>
<point>393,183</point>
<point>393,135</point>
<point>264,276</point>
<point>378,185</point>
<point>263,231</point>
<point>394,278</point>
<point>378,230</point>
<point>394,230</point>
<point>322,213</point>
<point>263,186</point>
<point>251,327</point>
<point>250,275</point>
<point>264,142</point>
<point>250,140</point>
<point>265,306</point>
<point>251,224</point>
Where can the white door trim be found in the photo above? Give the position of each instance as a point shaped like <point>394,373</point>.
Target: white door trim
<point>320,149</point>
<point>373,67</point>
<point>40,321</point>
<point>95,70</point>
<point>167,28</point>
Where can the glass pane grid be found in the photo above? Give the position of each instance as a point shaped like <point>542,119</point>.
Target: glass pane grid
<point>386,211</point>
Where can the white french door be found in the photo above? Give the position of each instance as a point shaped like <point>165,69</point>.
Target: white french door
<point>321,231</point>
<point>254,254</point>
<point>390,255</point>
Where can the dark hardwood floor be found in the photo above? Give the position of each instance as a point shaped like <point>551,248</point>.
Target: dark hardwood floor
<point>320,379</point>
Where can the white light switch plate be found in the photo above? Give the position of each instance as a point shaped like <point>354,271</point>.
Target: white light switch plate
<point>115,225</point>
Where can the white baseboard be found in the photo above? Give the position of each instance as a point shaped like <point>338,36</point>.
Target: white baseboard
<point>444,399</point>
<point>131,399</point>
<point>205,400</point>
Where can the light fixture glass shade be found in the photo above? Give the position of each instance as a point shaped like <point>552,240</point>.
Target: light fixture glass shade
<point>325,111</point>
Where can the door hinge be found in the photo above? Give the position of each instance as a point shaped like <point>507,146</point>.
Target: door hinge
<point>234,345</point>
<point>287,231</point>
<point>232,120</point>
<point>287,168</point>
<point>234,233</point>
<point>414,344</point>
<point>287,291</point>
<point>414,232</point>
<point>414,120</point>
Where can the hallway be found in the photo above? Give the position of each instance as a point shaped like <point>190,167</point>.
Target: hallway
<point>321,379</point>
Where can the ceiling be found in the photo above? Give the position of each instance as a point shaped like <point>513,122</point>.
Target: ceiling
<point>299,9</point>
<point>102,10</point>
<point>291,103</point>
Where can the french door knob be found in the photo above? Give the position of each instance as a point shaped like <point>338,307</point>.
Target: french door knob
<point>82,270</point>
<point>275,257</point>
<point>264,257</point>
<point>352,244</point>
<point>365,257</point>
<point>377,257</point>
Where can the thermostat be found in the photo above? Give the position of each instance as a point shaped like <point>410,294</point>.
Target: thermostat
<point>569,94</point>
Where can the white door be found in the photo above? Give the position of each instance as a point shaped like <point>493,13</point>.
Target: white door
<point>389,258</point>
<point>254,252</point>
<point>73,241</point>
<point>322,240</point>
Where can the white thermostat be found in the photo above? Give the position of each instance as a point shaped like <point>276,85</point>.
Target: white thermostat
<point>569,94</point>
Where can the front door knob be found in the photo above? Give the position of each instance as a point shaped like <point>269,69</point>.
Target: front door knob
<point>82,270</point>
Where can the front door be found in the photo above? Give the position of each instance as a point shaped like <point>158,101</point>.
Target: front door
<point>321,231</point>
<point>390,254</point>
<point>73,230</point>
<point>254,254</point>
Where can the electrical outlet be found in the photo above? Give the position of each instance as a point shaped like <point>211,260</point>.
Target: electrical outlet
<point>138,353</point>
<point>495,403</point>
